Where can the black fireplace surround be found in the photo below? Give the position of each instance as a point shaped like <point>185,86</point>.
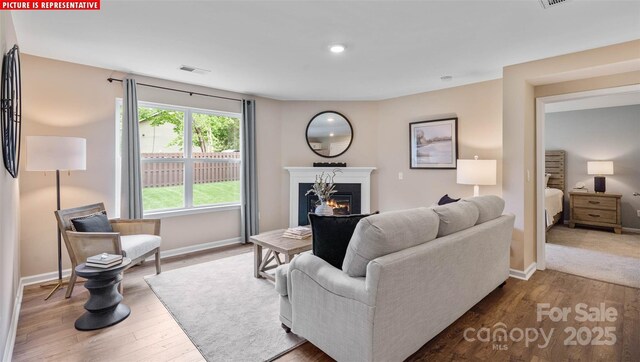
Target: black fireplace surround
<point>348,199</point>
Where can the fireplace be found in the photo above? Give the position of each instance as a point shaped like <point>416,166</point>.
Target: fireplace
<point>359,202</point>
<point>346,201</point>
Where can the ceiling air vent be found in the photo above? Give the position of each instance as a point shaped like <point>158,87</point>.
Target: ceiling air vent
<point>549,3</point>
<point>190,69</point>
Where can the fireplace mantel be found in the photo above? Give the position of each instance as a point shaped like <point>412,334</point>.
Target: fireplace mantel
<point>356,175</point>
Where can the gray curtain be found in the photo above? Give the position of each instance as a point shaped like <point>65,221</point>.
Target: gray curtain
<point>249,211</point>
<point>131,180</point>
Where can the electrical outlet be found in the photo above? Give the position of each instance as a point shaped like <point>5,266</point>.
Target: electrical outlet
<point>400,176</point>
<point>638,211</point>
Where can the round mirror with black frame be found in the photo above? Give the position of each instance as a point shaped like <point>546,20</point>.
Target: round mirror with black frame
<point>10,117</point>
<point>329,134</point>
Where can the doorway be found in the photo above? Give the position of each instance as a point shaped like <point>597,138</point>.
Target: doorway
<point>543,106</point>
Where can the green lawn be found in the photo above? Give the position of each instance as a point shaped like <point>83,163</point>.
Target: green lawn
<point>171,197</point>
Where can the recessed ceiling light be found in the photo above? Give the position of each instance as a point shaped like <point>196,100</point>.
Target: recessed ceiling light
<point>330,119</point>
<point>337,48</point>
<point>446,78</point>
<point>330,134</point>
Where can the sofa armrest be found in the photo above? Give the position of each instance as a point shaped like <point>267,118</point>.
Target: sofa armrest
<point>329,278</point>
<point>136,227</point>
<point>281,279</point>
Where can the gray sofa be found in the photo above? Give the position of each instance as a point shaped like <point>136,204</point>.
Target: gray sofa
<point>407,275</point>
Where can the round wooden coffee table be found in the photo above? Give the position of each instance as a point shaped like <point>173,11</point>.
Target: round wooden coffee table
<point>103,307</point>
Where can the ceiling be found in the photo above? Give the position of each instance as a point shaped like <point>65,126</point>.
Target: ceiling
<point>280,49</point>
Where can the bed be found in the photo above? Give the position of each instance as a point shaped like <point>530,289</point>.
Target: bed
<point>554,190</point>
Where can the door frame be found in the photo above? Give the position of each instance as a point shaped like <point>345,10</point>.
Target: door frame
<point>541,103</point>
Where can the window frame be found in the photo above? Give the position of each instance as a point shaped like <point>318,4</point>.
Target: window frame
<point>187,159</point>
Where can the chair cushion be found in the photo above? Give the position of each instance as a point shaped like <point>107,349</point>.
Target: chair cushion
<point>331,235</point>
<point>489,207</point>
<point>134,246</point>
<point>456,216</point>
<point>92,223</point>
<point>383,234</point>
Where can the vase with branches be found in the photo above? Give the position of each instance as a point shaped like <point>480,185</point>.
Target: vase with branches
<point>323,187</point>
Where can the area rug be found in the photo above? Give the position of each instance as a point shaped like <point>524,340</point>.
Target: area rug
<point>593,264</point>
<point>227,313</point>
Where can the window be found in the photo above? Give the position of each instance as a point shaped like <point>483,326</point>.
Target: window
<point>205,172</point>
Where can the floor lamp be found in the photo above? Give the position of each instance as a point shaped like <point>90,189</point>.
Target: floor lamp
<point>50,153</point>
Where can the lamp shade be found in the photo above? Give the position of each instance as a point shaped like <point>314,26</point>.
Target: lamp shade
<point>600,167</point>
<point>476,172</point>
<point>50,153</point>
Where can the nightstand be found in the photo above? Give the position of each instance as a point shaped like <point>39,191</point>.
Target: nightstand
<point>595,209</point>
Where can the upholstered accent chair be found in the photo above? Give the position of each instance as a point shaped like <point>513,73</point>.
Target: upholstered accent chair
<point>135,239</point>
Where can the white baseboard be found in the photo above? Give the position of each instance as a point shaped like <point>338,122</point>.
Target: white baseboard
<point>524,275</point>
<point>194,248</point>
<point>45,277</point>
<point>13,327</point>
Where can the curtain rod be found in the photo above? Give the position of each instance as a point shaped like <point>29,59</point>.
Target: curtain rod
<point>111,80</point>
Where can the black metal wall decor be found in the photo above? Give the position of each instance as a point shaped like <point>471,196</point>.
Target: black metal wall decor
<point>11,111</point>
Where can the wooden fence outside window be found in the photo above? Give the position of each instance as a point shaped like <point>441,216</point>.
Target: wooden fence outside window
<point>162,174</point>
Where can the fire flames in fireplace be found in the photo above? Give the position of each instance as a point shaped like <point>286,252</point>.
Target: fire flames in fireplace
<point>340,207</point>
<point>346,201</point>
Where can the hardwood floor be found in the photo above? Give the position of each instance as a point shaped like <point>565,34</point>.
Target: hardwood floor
<point>46,332</point>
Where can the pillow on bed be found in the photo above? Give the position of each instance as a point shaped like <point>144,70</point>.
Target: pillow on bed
<point>546,179</point>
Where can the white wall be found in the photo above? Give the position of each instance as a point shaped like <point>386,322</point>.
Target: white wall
<point>479,110</point>
<point>9,222</point>
<point>600,134</point>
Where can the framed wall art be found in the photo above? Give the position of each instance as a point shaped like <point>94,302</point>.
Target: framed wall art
<point>434,144</point>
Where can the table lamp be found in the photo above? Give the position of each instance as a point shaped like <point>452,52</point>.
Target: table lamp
<point>599,168</point>
<point>50,153</point>
<point>476,172</point>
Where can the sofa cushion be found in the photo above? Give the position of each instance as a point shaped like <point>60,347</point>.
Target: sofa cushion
<point>134,246</point>
<point>489,207</point>
<point>331,235</point>
<point>383,234</point>
<point>93,223</point>
<point>456,216</point>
